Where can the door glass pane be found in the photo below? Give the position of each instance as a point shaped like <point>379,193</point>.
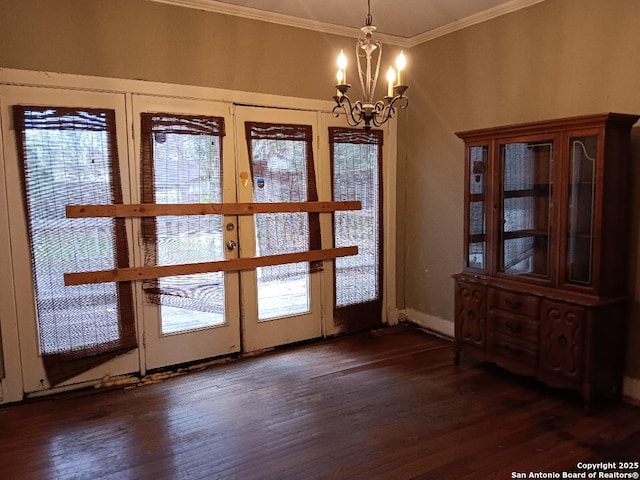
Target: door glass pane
<point>581,197</point>
<point>356,176</point>
<point>182,164</point>
<point>477,207</point>
<point>526,200</point>
<point>279,157</point>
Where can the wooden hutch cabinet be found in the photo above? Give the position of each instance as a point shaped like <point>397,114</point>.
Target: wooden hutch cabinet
<point>543,290</point>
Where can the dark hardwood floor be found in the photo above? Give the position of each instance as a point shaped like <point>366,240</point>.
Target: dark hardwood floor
<point>378,405</point>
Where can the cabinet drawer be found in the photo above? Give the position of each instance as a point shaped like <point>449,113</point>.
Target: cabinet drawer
<point>510,347</point>
<point>511,325</point>
<point>513,302</point>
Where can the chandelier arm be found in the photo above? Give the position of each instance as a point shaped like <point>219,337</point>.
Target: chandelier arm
<point>358,112</point>
<point>403,102</point>
<point>383,112</point>
<point>343,103</point>
<point>388,110</point>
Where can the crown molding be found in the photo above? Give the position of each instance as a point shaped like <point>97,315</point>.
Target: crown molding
<point>505,8</point>
<point>280,19</point>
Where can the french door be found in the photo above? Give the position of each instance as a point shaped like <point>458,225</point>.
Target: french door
<point>66,147</point>
<point>277,162</point>
<point>134,148</point>
<point>185,153</point>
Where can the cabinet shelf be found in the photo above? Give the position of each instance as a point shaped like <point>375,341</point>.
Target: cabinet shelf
<point>524,233</point>
<point>477,238</point>
<point>580,236</point>
<point>534,191</point>
<point>582,183</point>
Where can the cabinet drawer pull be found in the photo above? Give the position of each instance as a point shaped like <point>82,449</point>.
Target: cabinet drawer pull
<point>514,352</point>
<point>562,340</point>
<point>471,314</point>
<point>513,328</point>
<point>513,303</point>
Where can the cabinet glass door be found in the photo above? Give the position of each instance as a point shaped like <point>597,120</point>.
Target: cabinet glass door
<point>582,163</point>
<point>477,221</point>
<point>526,170</point>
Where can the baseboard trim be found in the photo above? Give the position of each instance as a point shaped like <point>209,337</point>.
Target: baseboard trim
<point>430,322</point>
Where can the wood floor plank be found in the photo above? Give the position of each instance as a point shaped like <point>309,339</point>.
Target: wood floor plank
<point>388,404</point>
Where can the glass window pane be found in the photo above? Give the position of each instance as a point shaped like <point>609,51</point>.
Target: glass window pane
<point>280,174</point>
<point>356,177</point>
<point>68,164</point>
<point>583,153</point>
<point>526,200</point>
<point>186,167</point>
<point>477,207</point>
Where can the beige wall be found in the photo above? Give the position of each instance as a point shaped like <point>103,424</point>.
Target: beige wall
<point>557,58</point>
<point>136,39</point>
<point>554,59</point>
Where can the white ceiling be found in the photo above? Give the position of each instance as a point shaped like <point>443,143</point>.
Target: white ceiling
<point>405,22</point>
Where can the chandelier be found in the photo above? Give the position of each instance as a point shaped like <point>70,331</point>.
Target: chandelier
<point>368,55</point>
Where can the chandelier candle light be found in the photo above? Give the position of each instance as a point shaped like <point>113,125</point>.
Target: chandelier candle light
<point>369,52</point>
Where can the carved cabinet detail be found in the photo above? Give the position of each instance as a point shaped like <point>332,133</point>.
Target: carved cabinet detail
<point>561,342</point>
<point>470,313</point>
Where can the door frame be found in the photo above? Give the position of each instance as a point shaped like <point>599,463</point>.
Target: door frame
<point>11,387</point>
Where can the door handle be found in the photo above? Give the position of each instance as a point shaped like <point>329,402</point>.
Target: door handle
<point>231,245</point>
